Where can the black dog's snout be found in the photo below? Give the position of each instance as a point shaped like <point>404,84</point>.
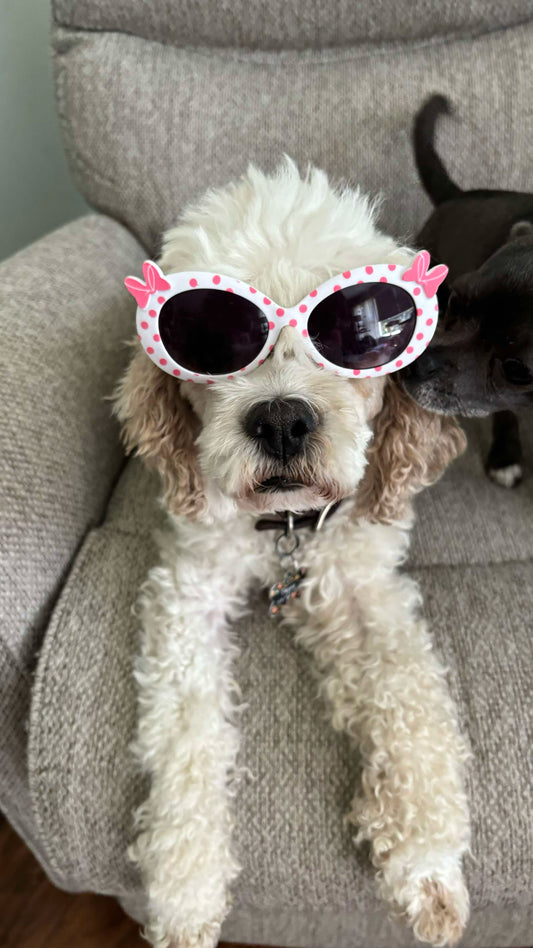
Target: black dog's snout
<point>280,426</point>
<point>423,368</point>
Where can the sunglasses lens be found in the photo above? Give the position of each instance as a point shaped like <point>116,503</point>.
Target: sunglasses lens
<point>212,332</point>
<point>362,326</point>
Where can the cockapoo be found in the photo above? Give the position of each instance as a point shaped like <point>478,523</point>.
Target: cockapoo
<point>225,465</point>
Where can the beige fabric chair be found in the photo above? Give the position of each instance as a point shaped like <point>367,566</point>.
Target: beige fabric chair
<point>157,102</point>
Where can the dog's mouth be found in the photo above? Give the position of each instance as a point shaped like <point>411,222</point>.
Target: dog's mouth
<point>273,484</point>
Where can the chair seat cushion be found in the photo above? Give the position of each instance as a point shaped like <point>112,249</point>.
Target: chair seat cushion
<point>301,873</point>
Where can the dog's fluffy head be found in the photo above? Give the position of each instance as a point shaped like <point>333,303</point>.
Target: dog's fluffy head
<point>285,235</point>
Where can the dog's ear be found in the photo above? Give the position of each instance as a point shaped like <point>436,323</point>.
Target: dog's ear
<point>160,425</point>
<point>410,449</point>
<point>521,229</point>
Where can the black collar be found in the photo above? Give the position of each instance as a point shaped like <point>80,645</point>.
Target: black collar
<point>310,518</point>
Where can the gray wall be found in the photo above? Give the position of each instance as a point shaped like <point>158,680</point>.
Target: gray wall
<point>36,193</point>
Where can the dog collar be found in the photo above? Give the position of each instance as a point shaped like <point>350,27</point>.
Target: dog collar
<point>310,518</point>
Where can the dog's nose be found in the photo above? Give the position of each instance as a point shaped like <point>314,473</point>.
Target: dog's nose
<point>423,368</point>
<point>280,426</point>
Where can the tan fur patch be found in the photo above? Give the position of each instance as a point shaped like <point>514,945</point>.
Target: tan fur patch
<point>438,921</point>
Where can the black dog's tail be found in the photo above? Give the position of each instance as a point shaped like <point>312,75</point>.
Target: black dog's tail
<point>433,174</point>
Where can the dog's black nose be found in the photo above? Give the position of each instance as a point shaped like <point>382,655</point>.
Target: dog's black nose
<point>280,426</point>
<point>424,368</point>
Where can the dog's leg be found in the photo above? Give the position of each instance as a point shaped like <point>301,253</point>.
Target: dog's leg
<point>504,463</point>
<point>187,742</point>
<point>387,690</point>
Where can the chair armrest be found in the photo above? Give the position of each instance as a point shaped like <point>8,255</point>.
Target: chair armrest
<point>64,316</point>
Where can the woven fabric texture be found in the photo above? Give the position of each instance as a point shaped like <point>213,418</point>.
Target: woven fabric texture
<point>148,127</point>
<point>296,851</point>
<point>65,315</point>
<point>157,102</point>
<point>286,24</point>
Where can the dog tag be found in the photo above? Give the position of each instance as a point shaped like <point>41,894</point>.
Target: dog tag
<point>286,589</point>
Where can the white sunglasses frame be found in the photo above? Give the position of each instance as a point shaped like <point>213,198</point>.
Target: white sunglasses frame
<point>161,287</point>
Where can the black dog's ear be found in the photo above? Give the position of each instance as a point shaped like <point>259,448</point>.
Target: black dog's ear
<point>521,229</point>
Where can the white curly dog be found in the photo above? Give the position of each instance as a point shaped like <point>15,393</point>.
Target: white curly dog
<point>373,448</point>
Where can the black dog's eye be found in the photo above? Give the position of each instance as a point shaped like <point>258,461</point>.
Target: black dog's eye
<point>457,310</point>
<point>454,305</point>
<point>517,372</point>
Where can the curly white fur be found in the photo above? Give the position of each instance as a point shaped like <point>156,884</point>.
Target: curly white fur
<point>357,614</point>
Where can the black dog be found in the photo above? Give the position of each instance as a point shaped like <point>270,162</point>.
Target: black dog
<point>481,360</point>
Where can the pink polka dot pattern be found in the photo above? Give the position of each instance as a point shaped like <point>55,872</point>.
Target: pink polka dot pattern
<point>384,273</point>
<point>320,365</point>
<point>210,382</point>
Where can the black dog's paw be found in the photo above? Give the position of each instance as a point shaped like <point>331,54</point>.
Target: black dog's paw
<point>509,476</point>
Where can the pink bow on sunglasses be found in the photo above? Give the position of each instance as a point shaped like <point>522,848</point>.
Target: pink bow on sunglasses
<point>430,280</point>
<point>154,281</point>
<point>204,327</point>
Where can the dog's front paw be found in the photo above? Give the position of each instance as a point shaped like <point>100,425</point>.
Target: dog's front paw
<point>509,476</point>
<point>438,914</point>
<point>206,936</point>
<point>430,895</point>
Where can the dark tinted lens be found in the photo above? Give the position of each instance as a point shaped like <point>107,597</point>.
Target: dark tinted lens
<point>359,327</point>
<point>212,332</point>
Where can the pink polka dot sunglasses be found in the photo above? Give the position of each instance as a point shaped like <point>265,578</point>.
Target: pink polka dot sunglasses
<point>203,327</point>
